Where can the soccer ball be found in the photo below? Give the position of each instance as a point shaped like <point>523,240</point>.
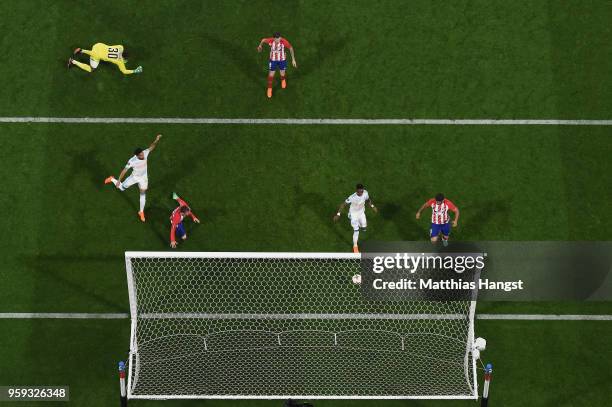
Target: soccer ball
<point>357,279</point>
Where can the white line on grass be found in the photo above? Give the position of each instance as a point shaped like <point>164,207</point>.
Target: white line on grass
<point>544,317</point>
<point>498,317</point>
<point>213,120</point>
<point>60,315</point>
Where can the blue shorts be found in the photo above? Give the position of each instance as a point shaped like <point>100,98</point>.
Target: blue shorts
<point>180,230</point>
<point>437,229</point>
<point>274,65</point>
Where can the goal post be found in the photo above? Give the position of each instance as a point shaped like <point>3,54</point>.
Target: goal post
<point>226,325</point>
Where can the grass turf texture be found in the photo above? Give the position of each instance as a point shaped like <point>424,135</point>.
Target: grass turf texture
<point>67,256</point>
<point>267,188</point>
<point>275,188</point>
<point>498,59</point>
<point>82,355</point>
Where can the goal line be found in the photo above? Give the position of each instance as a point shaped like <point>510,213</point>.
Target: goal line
<point>298,121</point>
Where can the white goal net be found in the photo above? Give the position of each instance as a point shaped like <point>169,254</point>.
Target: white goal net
<point>287,325</point>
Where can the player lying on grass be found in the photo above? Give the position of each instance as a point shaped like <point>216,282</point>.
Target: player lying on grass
<point>278,59</point>
<point>176,220</point>
<point>439,217</point>
<point>138,164</point>
<point>356,214</point>
<point>115,54</point>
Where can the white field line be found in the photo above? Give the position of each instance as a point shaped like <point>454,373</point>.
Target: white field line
<point>544,317</point>
<point>213,120</point>
<point>61,315</point>
<point>497,317</point>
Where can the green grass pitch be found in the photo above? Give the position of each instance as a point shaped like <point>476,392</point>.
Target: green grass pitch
<point>276,188</point>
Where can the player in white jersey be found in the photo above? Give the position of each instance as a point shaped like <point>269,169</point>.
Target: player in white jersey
<point>138,164</point>
<point>357,202</point>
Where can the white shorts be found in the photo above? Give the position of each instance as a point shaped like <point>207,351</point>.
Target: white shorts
<point>358,220</point>
<point>93,62</point>
<point>143,182</point>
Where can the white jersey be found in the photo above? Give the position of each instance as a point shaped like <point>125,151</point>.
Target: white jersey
<point>138,166</point>
<point>357,203</point>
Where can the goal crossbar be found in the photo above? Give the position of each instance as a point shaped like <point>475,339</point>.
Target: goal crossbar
<point>243,255</point>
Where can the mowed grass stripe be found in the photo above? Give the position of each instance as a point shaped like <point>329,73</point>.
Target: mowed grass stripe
<point>276,188</point>
<point>495,59</point>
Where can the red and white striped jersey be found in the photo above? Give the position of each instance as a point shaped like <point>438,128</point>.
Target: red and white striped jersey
<point>439,210</point>
<point>277,51</point>
<point>177,217</point>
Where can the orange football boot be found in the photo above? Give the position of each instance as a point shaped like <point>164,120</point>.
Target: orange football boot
<point>141,214</point>
<point>108,180</point>
<point>284,83</point>
<point>269,92</point>
<point>355,249</point>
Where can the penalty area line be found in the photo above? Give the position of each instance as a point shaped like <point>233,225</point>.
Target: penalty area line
<point>494,317</point>
<point>289,121</point>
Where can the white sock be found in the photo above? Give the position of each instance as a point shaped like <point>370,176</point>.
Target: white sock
<point>117,184</point>
<point>355,237</point>
<point>143,199</point>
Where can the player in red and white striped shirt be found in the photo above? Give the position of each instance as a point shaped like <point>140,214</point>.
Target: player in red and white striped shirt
<point>176,220</point>
<point>439,217</point>
<point>278,58</point>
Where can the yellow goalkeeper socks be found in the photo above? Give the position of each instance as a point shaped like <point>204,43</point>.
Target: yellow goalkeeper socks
<point>81,65</point>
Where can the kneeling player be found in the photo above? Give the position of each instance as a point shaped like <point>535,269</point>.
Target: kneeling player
<point>439,217</point>
<point>176,219</point>
<point>357,216</point>
<point>114,54</point>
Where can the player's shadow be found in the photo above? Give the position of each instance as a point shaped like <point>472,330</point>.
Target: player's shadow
<point>88,162</point>
<point>407,226</point>
<point>487,212</point>
<point>210,214</point>
<point>326,48</point>
<point>315,202</point>
<point>245,59</point>
<point>53,267</point>
<point>188,163</point>
<point>136,54</point>
<point>63,60</point>
<point>158,219</point>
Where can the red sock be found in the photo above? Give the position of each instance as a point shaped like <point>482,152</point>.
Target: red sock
<point>269,81</point>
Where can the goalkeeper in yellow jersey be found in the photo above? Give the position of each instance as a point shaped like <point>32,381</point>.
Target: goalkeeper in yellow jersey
<point>114,54</point>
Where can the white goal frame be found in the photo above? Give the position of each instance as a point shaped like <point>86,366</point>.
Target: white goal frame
<point>133,302</point>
